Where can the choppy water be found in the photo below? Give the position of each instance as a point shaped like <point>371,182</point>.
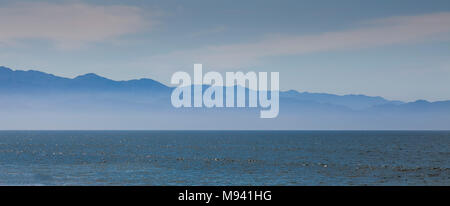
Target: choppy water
<point>224,158</point>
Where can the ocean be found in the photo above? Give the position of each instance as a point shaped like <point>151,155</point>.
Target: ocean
<point>224,157</point>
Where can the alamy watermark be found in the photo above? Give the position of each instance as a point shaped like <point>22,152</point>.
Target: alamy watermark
<point>213,95</point>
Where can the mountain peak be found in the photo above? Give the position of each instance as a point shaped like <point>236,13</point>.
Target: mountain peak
<point>2,68</point>
<point>291,91</point>
<point>421,101</point>
<point>89,76</point>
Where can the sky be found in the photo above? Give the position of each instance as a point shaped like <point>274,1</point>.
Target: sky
<point>395,49</point>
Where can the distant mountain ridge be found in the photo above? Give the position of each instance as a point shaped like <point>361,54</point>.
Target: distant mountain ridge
<point>25,81</point>
<point>37,100</point>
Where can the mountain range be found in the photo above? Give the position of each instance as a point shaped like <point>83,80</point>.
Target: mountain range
<point>37,100</point>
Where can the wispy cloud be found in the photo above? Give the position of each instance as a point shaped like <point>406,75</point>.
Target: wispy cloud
<point>69,25</point>
<point>379,32</point>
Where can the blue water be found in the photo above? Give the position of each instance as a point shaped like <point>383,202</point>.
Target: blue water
<point>224,158</point>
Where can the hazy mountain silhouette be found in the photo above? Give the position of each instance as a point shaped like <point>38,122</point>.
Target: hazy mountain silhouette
<point>37,100</point>
<point>36,81</point>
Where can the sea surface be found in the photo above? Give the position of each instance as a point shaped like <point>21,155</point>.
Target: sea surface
<point>224,157</point>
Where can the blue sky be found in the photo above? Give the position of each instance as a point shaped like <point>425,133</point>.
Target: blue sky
<point>395,49</point>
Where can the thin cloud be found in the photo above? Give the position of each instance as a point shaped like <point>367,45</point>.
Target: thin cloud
<point>69,25</point>
<point>379,32</point>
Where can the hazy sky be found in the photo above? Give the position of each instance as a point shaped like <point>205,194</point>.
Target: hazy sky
<point>395,49</point>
